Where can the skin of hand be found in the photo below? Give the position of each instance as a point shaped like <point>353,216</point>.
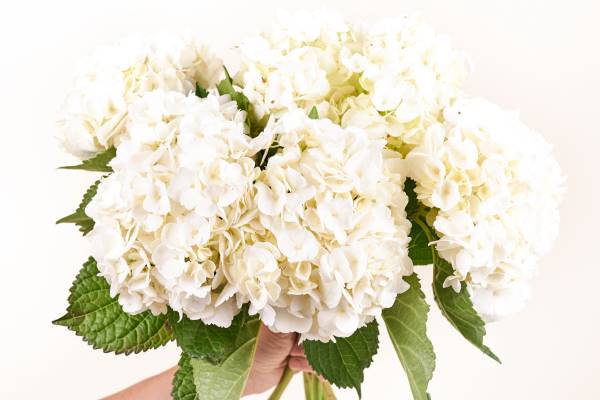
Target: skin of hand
<point>274,351</point>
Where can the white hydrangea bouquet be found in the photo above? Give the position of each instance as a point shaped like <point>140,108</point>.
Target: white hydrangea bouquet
<point>300,194</point>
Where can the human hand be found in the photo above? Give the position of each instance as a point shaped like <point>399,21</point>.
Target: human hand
<point>274,352</point>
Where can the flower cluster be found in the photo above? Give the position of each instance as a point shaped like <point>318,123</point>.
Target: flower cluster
<point>305,220</point>
<point>495,188</point>
<point>316,243</point>
<point>332,201</point>
<point>399,81</point>
<point>94,113</point>
<point>178,205</point>
<point>381,77</point>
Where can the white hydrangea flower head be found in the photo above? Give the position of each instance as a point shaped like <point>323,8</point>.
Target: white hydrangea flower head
<point>94,113</point>
<point>383,77</point>
<point>494,187</point>
<point>178,207</point>
<point>332,202</point>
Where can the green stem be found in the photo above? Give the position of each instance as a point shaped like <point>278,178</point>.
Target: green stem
<point>287,376</point>
<point>316,388</point>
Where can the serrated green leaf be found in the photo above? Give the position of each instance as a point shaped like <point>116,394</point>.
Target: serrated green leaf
<point>316,388</point>
<point>204,341</point>
<point>343,362</point>
<point>98,163</point>
<point>183,382</point>
<point>456,307</point>
<point>226,381</point>
<point>200,91</point>
<point>79,217</point>
<point>99,319</point>
<point>314,113</point>
<point>406,322</point>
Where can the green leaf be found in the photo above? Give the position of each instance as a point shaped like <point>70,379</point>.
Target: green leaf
<point>226,87</point>
<point>226,381</point>
<point>200,91</point>
<point>419,249</point>
<point>406,323</point>
<point>342,362</point>
<point>413,205</point>
<point>183,381</point>
<point>456,307</point>
<point>316,388</point>
<point>263,156</point>
<point>204,341</point>
<point>98,163</point>
<point>254,126</point>
<point>97,317</point>
<point>79,217</point>
<point>314,113</point>
<point>257,125</point>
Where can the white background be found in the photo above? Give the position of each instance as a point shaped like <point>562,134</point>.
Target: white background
<point>542,57</point>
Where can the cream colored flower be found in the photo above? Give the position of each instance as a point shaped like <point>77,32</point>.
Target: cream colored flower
<point>253,272</point>
<point>94,114</point>
<point>332,203</point>
<point>495,186</point>
<point>384,77</point>
<point>176,221</point>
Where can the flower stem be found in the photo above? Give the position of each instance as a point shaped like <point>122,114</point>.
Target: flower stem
<point>287,376</point>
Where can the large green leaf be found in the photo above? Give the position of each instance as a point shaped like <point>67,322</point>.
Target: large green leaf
<point>79,217</point>
<point>342,362</point>
<point>98,163</point>
<point>183,381</point>
<point>406,322</point>
<point>200,340</point>
<point>456,307</point>
<point>226,381</point>
<point>97,317</point>
<point>316,388</point>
